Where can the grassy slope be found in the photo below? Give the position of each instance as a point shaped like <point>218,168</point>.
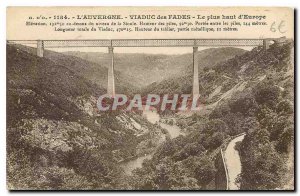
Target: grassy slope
<point>95,72</point>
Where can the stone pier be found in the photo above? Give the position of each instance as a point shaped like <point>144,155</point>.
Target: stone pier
<point>111,77</point>
<point>195,75</point>
<point>40,48</point>
<point>266,44</point>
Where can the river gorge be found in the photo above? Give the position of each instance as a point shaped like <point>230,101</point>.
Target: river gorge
<point>153,117</point>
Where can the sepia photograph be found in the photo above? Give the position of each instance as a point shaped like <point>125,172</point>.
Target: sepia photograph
<point>150,98</point>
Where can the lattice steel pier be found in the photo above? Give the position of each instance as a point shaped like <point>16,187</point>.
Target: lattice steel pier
<point>110,44</point>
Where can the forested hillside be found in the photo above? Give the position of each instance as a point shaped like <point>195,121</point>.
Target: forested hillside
<point>56,139</point>
<point>263,108</point>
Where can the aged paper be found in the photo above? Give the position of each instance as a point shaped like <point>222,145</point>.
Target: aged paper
<point>150,98</point>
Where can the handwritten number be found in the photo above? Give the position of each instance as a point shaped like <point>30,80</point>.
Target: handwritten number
<point>280,26</point>
<point>274,27</point>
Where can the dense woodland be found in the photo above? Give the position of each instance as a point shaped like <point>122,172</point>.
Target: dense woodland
<point>56,139</point>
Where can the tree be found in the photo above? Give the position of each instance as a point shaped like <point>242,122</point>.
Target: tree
<point>215,140</point>
<point>215,125</point>
<point>243,103</point>
<point>249,124</point>
<point>204,170</point>
<point>190,149</point>
<point>285,107</point>
<point>220,111</point>
<point>285,140</point>
<point>267,93</point>
<point>262,166</point>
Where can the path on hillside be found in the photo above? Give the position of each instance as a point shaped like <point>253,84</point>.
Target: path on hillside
<point>233,162</point>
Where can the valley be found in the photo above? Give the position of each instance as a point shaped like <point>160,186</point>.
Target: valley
<point>173,131</point>
<point>63,142</point>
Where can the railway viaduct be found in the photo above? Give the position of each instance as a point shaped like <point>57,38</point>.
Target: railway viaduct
<point>111,44</point>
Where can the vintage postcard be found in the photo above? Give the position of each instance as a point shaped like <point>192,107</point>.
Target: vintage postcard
<point>150,98</point>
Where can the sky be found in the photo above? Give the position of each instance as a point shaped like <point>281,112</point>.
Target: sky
<point>147,50</point>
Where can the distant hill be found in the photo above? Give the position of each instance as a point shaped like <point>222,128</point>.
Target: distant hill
<point>222,74</point>
<point>144,69</point>
<point>29,75</point>
<point>209,60</point>
<point>94,72</point>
